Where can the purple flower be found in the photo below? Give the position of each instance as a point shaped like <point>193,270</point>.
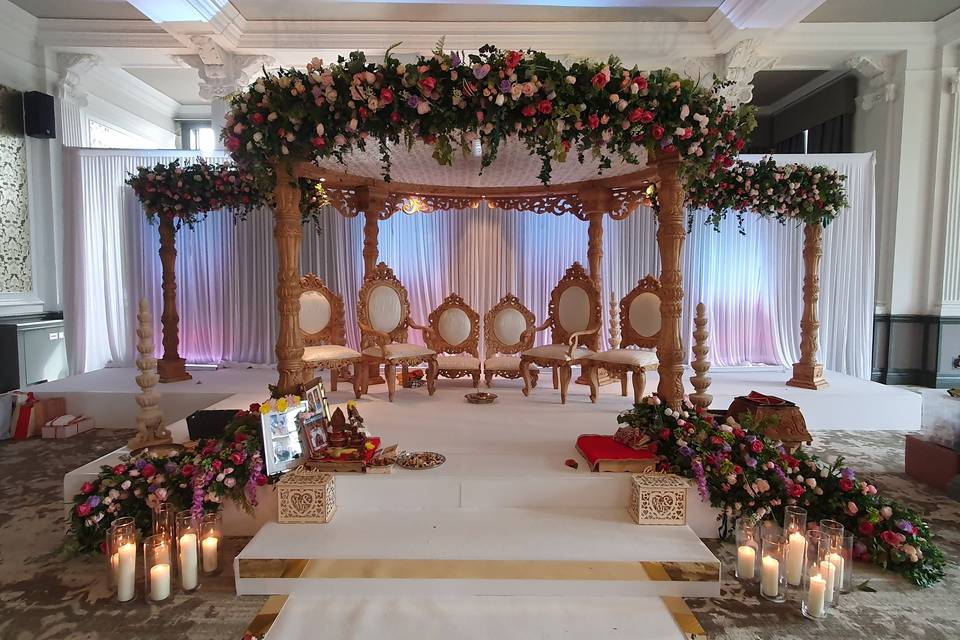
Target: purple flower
<point>413,101</point>
<point>505,86</point>
<point>847,473</point>
<point>454,60</point>
<point>93,501</point>
<point>686,451</point>
<point>480,71</point>
<point>140,464</point>
<point>170,467</point>
<point>750,462</point>
<point>701,479</point>
<point>151,488</point>
<point>905,525</point>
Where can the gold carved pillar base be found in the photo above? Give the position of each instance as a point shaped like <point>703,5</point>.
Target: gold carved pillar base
<point>808,376</point>
<point>173,370</point>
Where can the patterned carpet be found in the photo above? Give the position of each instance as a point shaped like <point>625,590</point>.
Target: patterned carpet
<point>44,596</point>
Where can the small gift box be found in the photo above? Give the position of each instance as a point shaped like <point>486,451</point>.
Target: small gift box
<point>67,426</point>
<point>658,498</point>
<point>304,495</point>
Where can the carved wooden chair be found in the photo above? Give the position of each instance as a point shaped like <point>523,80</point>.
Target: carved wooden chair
<point>503,327</point>
<point>383,312</point>
<point>574,315</point>
<point>455,331</point>
<point>324,336</point>
<point>640,325</point>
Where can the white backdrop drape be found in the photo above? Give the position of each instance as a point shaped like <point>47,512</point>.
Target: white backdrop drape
<point>750,284</point>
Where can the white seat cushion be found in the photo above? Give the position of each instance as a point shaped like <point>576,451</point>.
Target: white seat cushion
<point>634,357</point>
<point>328,352</point>
<point>399,350</point>
<point>462,362</point>
<point>503,363</point>
<point>557,352</point>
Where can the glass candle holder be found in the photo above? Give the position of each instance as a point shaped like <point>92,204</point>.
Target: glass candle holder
<point>794,529</point>
<point>188,546</point>
<point>748,549</point>
<point>112,558</point>
<point>122,552</point>
<point>157,568</point>
<point>164,520</point>
<point>841,556</point>
<point>813,603</point>
<point>831,528</point>
<point>773,577</point>
<point>211,543</point>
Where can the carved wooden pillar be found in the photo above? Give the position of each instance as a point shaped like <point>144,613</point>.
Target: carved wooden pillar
<point>372,203</point>
<point>701,381</point>
<point>596,202</point>
<point>808,373</point>
<point>287,233</point>
<point>171,368</point>
<point>671,232</point>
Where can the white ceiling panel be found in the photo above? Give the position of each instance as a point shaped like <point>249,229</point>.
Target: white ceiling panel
<point>183,85</point>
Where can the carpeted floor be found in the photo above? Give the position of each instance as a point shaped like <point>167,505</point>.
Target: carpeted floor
<point>44,596</point>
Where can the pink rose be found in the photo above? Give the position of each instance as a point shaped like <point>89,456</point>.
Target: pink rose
<point>852,509</point>
<point>83,510</point>
<point>119,469</point>
<point>756,446</point>
<point>890,538</point>
<point>233,143</point>
<point>87,487</point>
<point>149,470</point>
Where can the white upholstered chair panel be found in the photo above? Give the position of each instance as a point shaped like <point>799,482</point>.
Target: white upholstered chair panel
<point>314,312</point>
<point>644,314</point>
<point>574,309</point>
<point>454,326</point>
<point>508,325</point>
<point>385,308</point>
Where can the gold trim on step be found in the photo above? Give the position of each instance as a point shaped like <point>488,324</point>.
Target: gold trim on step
<point>684,618</point>
<point>262,622</point>
<point>435,569</point>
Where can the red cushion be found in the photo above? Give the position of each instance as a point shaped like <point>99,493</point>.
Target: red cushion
<point>596,448</point>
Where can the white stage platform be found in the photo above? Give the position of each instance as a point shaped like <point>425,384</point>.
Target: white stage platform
<point>480,618</point>
<point>848,403</point>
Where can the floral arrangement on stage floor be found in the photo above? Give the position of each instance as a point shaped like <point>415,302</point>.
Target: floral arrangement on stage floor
<point>188,192</point>
<point>746,475</point>
<point>201,479</point>
<point>451,99</point>
<point>813,195</point>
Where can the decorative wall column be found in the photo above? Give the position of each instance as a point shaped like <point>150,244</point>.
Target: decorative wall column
<point>172,368</point>
<point>288,232</point>
<point>671,233</point>
<point>808,373</point>
<point>950,298</point>
<point>372,204</point>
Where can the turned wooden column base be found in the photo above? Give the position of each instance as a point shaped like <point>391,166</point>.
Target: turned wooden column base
<point>603,378</point>
<point>173,370</point>
<point>808,376</point>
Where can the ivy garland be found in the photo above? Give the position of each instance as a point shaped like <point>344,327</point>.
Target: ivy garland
<point>188,192</point>
<point>450,99</point>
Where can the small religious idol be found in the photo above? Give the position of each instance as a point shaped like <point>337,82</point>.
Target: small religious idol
<point>338,429</point>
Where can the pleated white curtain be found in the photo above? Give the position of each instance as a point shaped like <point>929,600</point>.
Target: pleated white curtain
<point>750,284</point>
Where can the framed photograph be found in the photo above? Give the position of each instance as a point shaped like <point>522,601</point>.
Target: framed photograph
<point>313,432</point>
<point>282,445</point>
<point>316,396</point>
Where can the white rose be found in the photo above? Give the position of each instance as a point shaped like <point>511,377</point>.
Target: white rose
<point>500,99</point>
<point>126,485</point>
<point>319,129</point>
<point>571,79</point>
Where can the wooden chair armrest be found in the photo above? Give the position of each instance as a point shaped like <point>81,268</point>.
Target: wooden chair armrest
<point>428,333</point>
<point>529,333</point>
<point>574,340</point>
<point>382,339</point>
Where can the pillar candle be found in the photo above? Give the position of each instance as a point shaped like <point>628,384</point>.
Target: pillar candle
<point>770,577</point>
<point>829,571</point>
<point>796,549</point>
<point>159,582</point>
<point>210,559</point>
<point>126,571</point>
<point>114,566</point>
<point>815,596</point>
<point>746,562</point>
<point>188,561</point>
<point>837,561</point>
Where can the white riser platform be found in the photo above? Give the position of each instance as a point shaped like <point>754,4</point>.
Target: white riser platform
<point>475,618</point>
<point>535,552</point>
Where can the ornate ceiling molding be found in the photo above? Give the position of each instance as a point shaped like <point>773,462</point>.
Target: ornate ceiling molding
<point>221,73</point>
<point>879,73</point>
<point>739,66</point>
<point>72,67</point>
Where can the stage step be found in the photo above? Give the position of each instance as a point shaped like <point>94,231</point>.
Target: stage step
<point>432,552</point>
<point>483,618</point>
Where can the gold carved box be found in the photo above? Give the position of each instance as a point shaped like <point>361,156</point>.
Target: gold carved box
<point>658,498</point>
<point>304,495</point>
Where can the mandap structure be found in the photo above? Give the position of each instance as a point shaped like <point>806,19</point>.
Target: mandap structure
<point>521,132</point>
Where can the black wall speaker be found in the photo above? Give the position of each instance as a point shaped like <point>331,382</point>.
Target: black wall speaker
<point>38,116</point>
